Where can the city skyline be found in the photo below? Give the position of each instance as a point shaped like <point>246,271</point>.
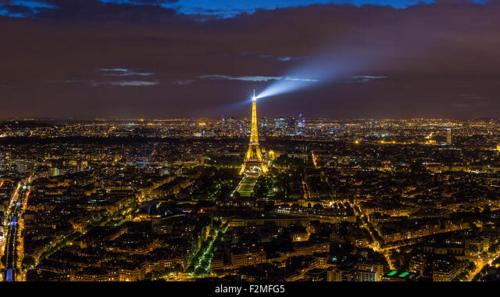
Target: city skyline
<point>325,200</point>
<point>389,59</point>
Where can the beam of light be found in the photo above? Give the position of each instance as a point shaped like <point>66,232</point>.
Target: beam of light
<point>325,67</point>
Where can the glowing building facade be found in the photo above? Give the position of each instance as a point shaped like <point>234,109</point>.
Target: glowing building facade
<point>254,162</point>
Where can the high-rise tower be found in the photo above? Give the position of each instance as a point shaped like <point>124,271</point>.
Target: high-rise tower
<point>254,163</point>
<point>449,140</point>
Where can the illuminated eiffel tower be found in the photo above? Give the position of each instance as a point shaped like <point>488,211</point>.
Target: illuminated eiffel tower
<point>254,163</point>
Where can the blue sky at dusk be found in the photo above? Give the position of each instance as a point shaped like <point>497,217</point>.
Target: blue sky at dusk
<point>217,8</point>
<point>230,8</point>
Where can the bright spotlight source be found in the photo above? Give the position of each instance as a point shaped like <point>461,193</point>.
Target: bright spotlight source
<point>254,98</point>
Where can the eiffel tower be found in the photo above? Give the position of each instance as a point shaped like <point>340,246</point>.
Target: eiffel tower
<point>254,163</point>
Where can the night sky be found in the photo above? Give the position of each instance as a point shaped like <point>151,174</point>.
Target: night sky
<point>196,58</point>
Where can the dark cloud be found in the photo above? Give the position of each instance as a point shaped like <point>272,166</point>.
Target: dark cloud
<point>429,55</point>
<point>126,83</point>
<point>255,78</point>
<point>120,72</point>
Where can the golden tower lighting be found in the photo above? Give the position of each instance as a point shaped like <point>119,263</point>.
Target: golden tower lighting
<point>254,163</point>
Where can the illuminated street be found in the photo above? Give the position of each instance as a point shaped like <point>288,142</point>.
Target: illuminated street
<point>14,243</point>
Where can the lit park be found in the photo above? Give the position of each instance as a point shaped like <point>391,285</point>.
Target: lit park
<point>250,147</point>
